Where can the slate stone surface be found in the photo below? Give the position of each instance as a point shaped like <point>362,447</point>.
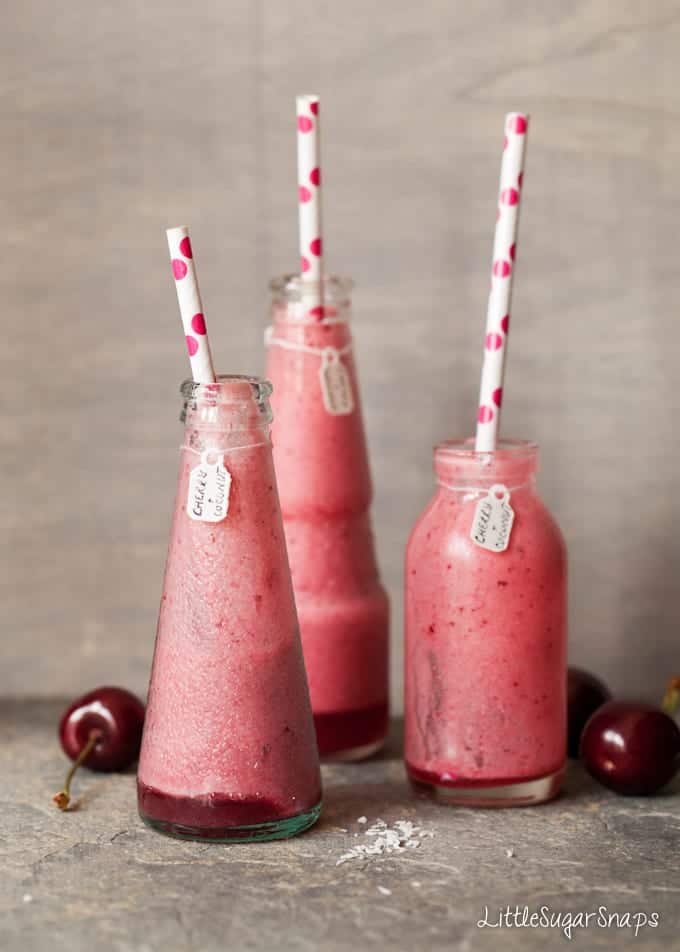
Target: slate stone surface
<point>96,878</point>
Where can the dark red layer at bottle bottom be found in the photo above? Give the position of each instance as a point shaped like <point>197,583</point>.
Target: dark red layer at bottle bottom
<point>215,811</point>
<point>348,730</point>
<point>435,780</point>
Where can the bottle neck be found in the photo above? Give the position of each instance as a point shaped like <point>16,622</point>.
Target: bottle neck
<point>303,313</point>
<point>320,303</point>
<point>291,335</point>
<point>460,469</point>
<point>232,413</point>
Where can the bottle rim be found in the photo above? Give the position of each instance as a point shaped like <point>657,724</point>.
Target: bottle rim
<point>291,287</point>
<point>226,386</point>
<point>507,449</point>
<point>244,397</point>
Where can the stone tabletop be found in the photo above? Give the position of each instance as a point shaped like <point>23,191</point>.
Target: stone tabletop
<point>96,878</point>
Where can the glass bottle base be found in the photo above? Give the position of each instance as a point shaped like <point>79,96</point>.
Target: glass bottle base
<point>248,833</point>
<point>351,735</point>
<point>511,793</point>
<point>223,819</point>
<point>353,754</point>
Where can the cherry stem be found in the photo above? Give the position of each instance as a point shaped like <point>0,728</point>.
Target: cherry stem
<point>671,699</point>
<point>63,798</point>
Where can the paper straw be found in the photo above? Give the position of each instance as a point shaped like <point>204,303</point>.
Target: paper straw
<point>309,203</point>
<point>190,307</point>
<point>502,274</point>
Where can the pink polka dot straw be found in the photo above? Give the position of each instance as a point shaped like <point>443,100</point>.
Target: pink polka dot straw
<point>190,307</point>
<point>309,203</point>
<point>502,274</point>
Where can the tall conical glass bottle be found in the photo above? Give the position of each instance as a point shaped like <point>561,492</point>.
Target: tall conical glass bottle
<point>323,474</point>
<point>228,751</point>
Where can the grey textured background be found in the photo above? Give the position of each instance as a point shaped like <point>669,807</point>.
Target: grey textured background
<point>119,120</point>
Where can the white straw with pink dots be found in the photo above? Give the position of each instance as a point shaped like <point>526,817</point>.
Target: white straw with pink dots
<point>309,204</point>
<point>502,273</point>
<point>190,307</point>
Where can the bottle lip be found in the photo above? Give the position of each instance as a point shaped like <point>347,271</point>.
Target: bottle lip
<point>228,388</point>
<point>239,400</point>
<point>507,449</point>
<point>291,287</point>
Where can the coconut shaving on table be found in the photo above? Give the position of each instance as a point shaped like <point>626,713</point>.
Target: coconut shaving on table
<point>403,835</point>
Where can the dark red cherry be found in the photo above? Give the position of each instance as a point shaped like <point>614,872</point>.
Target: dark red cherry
<point>632,748</point>
<point>585,693</point>
<point>101,730</point>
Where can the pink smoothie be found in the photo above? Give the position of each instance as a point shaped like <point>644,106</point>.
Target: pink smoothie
<point>229,737</point>
<point>323,476</point>
<point>485,662</point>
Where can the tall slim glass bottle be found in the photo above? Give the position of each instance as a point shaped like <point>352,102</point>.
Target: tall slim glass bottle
<point>228,751</point>
<point>486,629</point>
<point>323,474</point>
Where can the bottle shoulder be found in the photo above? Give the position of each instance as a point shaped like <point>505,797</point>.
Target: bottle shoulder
<point>445,523</point>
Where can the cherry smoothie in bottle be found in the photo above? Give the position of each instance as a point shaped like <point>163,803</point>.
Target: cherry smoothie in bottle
<point>228,751</point>
<point>325,487</point>
<point>485,653</point>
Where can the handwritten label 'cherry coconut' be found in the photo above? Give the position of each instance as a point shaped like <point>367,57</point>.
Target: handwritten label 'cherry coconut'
<point>493,520</point>
<point>209,486</point>
<point>336,386</point>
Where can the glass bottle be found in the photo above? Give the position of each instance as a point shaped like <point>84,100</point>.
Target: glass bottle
<point>228,751</point>
<point>324,480</point>
<point>486,629</point>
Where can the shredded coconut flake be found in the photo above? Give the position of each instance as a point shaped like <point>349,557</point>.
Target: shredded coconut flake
<point>402,835</point>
